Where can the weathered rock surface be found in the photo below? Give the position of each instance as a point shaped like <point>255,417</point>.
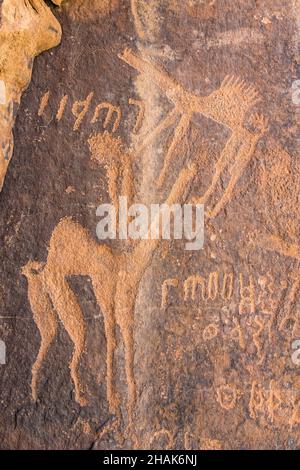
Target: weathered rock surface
<point>27,29</point>
<point>144,344</point>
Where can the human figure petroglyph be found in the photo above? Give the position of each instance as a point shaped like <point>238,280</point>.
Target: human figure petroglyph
<point>28,28</point>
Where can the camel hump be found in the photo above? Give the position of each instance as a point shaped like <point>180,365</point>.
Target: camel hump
<point>67,228</point>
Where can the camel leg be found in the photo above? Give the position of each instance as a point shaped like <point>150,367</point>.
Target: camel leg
<point>124,319</point>
<point>69,312</point>
<point>107,309</point>
<point>45,320</point>
<point>179,134</point>
<point>47,327</point>
<point>161,126</point>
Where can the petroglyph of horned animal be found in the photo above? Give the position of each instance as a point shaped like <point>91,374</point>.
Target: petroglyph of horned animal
<point>228,105</point>
<point>28,28</point>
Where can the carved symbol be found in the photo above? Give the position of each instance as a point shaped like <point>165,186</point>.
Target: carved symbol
<point>257,339</point>
<point>44,103</point>
<point>227,396</point>
<point>227,287</point>
<point>139,120</point>
<point>274,401</point>
<point>2,353</point>
<point>207,293</point>
<point>62,107</point>
<point>256,404</point>
<point>210,332</point>
<point>247,295</point>
<point>111,111</point>
<point>237,333</point>
<point>266,402</point>
<point>165,291</point>
<point>191,284</point>
<point>290,315</point>
<point>80,109</point>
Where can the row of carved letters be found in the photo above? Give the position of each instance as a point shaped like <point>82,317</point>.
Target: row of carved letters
<point>80,109</point>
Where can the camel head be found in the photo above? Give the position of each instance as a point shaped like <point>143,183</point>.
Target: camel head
<point>32,268</point>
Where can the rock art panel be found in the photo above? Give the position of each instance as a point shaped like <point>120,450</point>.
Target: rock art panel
<point>138,343</point>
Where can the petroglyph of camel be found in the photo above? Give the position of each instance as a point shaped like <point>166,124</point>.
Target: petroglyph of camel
<point>116,275</point>
<point>115,278</point>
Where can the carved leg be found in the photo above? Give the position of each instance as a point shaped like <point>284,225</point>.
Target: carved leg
<point>164,124</point>
<point>110,333</point>
<point>243,157</point>
<point>69,312</point>
<point>225,158</point>
<point>47,327</point>
<point>44,317</point>
<point>125,320</point>
<point>179,133</point>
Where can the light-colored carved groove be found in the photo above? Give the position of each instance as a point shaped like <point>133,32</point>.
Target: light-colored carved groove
<point>43,315</point>
<point>62,107</point>
<point>137,19</point>
<point>141,113</point>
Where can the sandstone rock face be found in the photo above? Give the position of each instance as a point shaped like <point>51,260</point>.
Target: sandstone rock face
<point>27,29</point>
<point>143,344</point>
